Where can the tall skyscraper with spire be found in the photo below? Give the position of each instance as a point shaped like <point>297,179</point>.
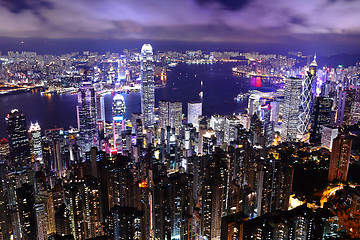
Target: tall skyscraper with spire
<point>147,85</point>
<point>307,98</point>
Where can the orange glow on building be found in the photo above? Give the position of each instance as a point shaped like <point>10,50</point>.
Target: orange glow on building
<point>143,184</point>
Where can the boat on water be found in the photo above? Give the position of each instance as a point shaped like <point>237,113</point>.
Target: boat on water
<point>241,96</point>
<point>172,64</point>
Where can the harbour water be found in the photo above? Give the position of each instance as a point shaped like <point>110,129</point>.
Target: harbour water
<point>184,83</point>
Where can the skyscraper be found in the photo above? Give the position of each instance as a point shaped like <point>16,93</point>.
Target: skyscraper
<point>26,202</point>
<point>35,132</point>
<point>56,141</point>
<point>100,107</point>
<point>170,114</point>
<point>194,112</point>
<point>321,116</point>
<point>291,109</point>
<point>147,85</point>
<point>17,135</point>
<point>306,98</point>
<point>339,159</point>
<point>274,186</point>
<point>4,147</point>
<point>329,133</point>
<point>118,114</point>
<point>346,100</point>
<point>86,112</point>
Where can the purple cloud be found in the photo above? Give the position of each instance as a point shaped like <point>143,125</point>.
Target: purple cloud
<point>190,20</point>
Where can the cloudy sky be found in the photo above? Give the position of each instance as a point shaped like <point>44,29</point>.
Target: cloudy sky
<point>245,21</point>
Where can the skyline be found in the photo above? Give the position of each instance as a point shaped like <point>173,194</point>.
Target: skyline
<point>236,166</point>
<point>181,119</point>
<point>330,26</point>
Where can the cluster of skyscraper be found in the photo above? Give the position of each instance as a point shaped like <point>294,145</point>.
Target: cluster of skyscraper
<point>162,176</point>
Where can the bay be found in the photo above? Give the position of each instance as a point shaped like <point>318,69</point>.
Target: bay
<point>184,83</point>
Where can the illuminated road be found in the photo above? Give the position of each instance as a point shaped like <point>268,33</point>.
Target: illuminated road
<point>331,192</point>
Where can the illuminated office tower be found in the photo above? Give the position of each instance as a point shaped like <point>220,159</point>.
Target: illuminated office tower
<point>320,117</point>
<point>307,98</point>
<point>291,105</point>
<point>147,85</point>
<point>343,115</point>
<point>86,113</point>
<point>122,68</point>
<point>253,104</point>
<point>18,138</point>
<point>170,114</point>
<point>231,125</point>
<point>194,112</point>
<point>4,147</point>
<point>55,139</point>
<point>35,133</point>
<point>118,114</point>
<point>274,115</point>
<point>329,133</point>
<point>339,159</point>
<point>217,123</point>
<point>355,107</point>
<point>100,108</point>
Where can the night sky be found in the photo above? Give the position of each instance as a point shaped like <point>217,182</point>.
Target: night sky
<point>331,25</point>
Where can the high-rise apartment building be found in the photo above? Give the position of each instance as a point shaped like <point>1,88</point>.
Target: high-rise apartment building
<point>147,85</point>
<point>339,159</point>
<point>274,184</point>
